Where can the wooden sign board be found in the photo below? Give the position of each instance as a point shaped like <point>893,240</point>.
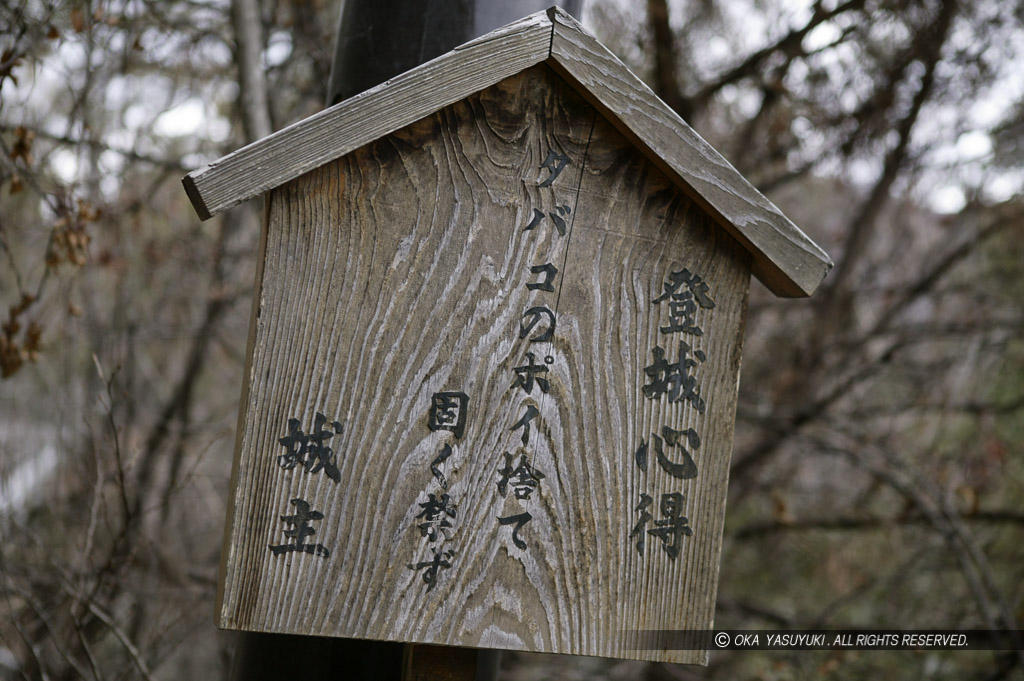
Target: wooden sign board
<point>492,380</point>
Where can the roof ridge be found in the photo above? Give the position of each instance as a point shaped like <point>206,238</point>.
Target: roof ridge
<point>784,258</point>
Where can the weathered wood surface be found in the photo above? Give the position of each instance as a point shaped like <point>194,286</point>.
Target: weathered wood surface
<point>784,258</point>
<point>333,132</point>
<point>400,271</point>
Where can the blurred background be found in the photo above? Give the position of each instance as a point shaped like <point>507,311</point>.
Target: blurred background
<point>877,477</point>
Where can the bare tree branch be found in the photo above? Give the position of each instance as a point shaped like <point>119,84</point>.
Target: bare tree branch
<point>1004,216</point>
<point>789,44</point>
<point>782,429</point>
<point>974,565</point>
<point>666,82</point>
<point>177,405</point>
<point>862,225</point>
<point>253,98</point>
<point>133,651</point>
<point>866,523</point>
<point>99,145</point>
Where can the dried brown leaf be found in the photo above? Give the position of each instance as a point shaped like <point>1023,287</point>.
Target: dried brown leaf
<point>77,19</point>
<point>22,147</point>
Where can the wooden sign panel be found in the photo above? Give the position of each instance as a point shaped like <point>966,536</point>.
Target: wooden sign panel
<point>492,381</point>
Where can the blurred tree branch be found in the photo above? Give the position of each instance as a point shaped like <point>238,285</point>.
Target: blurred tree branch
<point>976,568</point>
<point>856,362</point>
<point>97,145</point>
<point>929,44</point>
<point>876,475</point>
<point>666,80</point>
<point>865,523</point>
<point>253,101</point>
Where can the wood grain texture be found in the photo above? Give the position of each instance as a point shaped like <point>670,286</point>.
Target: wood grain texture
<point>401,270</point>
<point>332,133</point>
<point>784,258</point>
<point>227,548</point>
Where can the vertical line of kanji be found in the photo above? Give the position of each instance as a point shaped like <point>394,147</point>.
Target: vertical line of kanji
<point>376,40</point>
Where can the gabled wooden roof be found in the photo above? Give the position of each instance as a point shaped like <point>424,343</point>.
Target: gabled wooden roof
<point>784,258</point>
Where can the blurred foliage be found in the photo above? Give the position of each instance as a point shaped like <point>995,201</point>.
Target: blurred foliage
<point>877,474</point>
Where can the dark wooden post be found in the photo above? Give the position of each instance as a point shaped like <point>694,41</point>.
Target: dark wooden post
<point>378,39</point>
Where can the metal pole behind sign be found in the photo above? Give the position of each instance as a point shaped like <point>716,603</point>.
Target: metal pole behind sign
<point>377,40</point>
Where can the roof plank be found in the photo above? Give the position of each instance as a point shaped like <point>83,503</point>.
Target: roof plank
<point>785,259</point>
<point>336,131</point>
